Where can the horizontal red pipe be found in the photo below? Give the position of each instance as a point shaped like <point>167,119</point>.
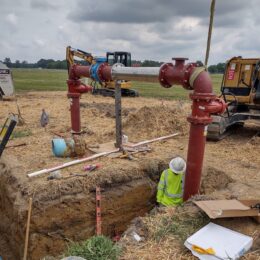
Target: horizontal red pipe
<point>78,71</point>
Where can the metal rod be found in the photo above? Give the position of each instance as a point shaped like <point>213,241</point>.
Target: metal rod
<point>118,108</point>
<point>147,74</point>
<point>212,11</point>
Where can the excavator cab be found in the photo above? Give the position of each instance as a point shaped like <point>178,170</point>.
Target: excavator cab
<point>119,57</point>
<point>241,90</point>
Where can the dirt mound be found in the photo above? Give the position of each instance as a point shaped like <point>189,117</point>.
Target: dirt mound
<point>255,141</point>
<point>155,121</point>
<point>244,190</point>
<point>105,109</point>
<point>213,180</point>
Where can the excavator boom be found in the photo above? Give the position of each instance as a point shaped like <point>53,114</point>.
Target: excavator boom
<point>71,53</point>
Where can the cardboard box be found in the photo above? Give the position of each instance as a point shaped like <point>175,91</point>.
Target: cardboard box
<point>229,208</point>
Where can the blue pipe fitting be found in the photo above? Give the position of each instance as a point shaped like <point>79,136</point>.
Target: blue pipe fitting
<point>94,68</point>
<point>63,148</point>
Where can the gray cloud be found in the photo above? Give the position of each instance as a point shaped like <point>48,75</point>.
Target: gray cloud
<point>142,11</point>
<point>44,5</point>
<point>151,29</point>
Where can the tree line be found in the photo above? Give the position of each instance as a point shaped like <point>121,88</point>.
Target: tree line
<point>62,64</point>
<point>42,63</point>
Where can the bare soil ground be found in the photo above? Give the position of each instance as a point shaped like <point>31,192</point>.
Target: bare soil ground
<point>231,166</point>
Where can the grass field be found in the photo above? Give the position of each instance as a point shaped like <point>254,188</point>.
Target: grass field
<point>50,80</point>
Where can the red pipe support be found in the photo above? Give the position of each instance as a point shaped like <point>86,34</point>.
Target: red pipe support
<point>75,112</point>
<point>204,104</point>
<point>75,89</point>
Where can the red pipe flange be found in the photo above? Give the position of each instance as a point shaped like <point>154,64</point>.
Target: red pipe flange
<point>178,73</point>
<point>162,78</point>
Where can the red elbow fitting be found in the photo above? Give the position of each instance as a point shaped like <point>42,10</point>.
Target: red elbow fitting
<point>83,88</point>
<point>76,86</point>
<point>203,106</point>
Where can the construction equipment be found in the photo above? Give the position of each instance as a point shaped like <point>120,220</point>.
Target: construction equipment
<point>241,90</point>
<point>71,53</point>
<point>6,131</point>
<point>121,57</point>
<point>108,88</point>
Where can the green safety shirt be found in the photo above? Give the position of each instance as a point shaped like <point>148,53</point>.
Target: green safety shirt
<point>170,188</point>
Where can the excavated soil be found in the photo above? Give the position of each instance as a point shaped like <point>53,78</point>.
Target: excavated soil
<point>64,209</point>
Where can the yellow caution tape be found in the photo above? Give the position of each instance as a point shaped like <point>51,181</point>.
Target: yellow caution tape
<point>200,250</point>
<point>195,74</point>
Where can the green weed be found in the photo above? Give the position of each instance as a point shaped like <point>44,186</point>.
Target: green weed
<point>21,133</point>
<point>95,248</point>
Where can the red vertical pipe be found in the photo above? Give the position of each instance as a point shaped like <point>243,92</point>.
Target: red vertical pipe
<point>197,140</point>
<point>75,88</point>
<point>75,112</point>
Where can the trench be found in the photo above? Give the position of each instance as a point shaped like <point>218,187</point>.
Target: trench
<point>70,214</point>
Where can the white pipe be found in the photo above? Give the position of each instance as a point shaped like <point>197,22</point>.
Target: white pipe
<point>33,174</point>
<point>148,74</point>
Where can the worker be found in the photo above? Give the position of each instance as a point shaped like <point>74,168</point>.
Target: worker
<point>171,185</point>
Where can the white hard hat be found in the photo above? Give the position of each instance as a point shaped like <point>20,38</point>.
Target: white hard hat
<point>178,165</point>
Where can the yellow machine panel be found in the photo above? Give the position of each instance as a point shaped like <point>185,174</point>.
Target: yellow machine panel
<point>237,83</point>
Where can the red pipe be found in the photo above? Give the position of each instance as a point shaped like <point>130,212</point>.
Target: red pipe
<point>75,89</point>
<point>75,112</point>
<point>197,140</point>
<point>77,71</point>
<point>204,103</point>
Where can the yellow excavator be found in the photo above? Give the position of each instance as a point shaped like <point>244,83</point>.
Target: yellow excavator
<point>124,58</point>
<point>240,88</point>
<point>71,53</point>
<point>101,88</point>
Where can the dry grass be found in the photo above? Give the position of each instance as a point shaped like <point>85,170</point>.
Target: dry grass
<point>167,231</point>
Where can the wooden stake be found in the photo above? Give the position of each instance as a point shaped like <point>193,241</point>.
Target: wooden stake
<point>27,229</point>
<point>98,211</point>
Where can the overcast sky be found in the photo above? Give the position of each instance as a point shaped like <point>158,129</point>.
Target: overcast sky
<point>149,29</point>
